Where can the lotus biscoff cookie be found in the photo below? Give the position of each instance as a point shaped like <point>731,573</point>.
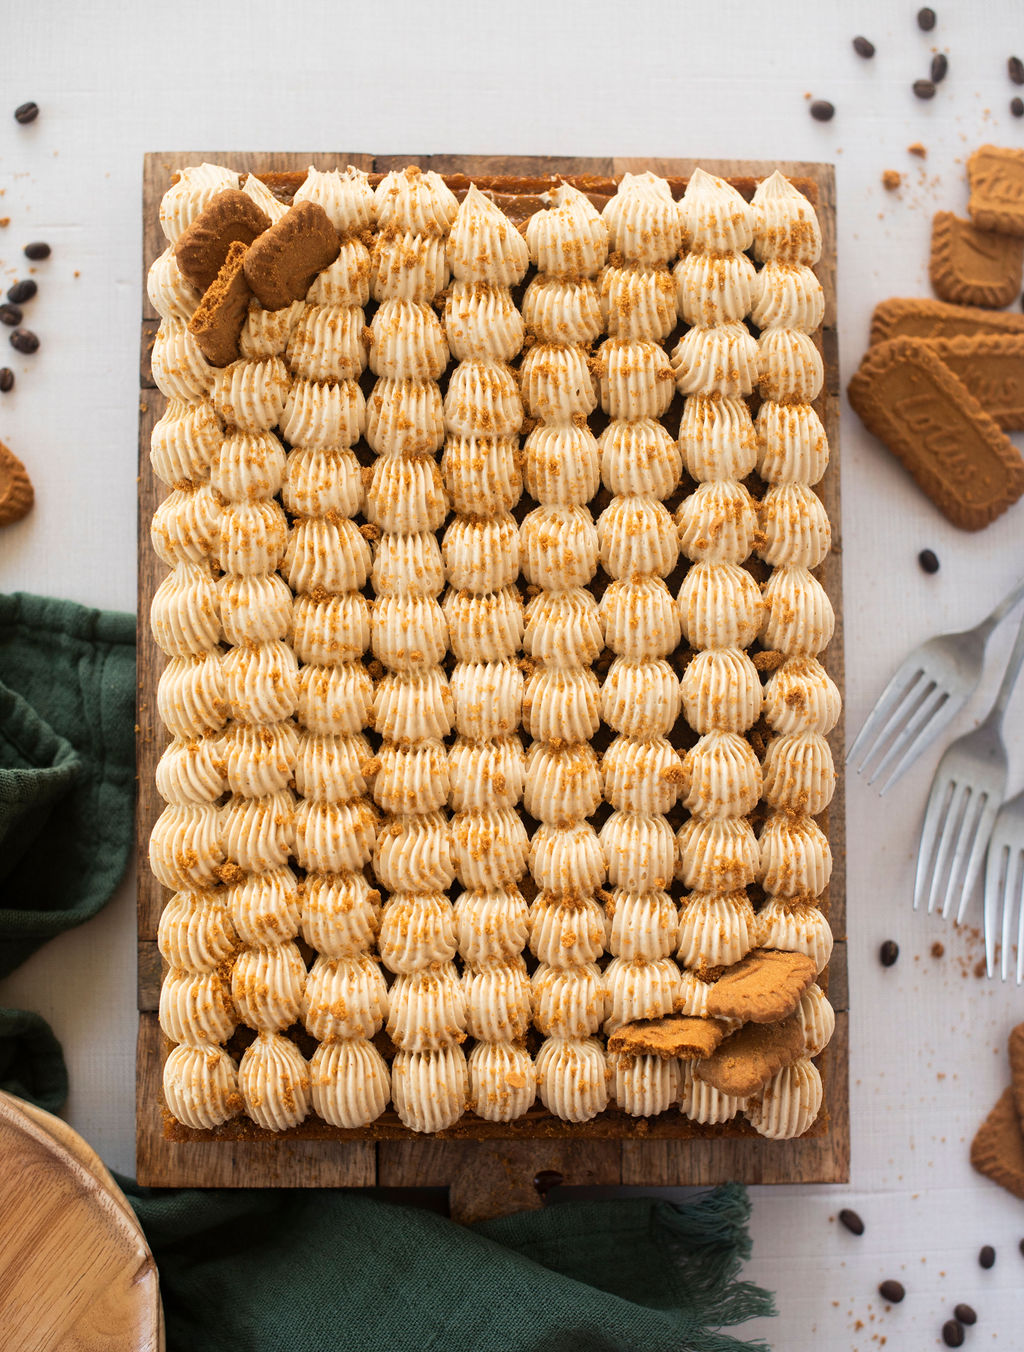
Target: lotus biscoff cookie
<point>991,366</point>
<point>913,403</point>
<point>922,317</point>
<point>764,987</point>
<point>974,267</point>
<point>217,323</point>
<point>996,176</point>
<point>674,1036</point>
<point>283,263</point>
<point>202,247</point>
<point>747,1060</point>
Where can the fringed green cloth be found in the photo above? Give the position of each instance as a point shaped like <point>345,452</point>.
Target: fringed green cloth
<point>67,766</point>
<point>328,1271</point>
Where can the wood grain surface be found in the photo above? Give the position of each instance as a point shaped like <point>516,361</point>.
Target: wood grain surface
<point>75,1271</point>
<point>488,1167</point>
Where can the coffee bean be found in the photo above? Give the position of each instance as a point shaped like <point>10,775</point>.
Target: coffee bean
<point>6,379</point>
<point>987,1256</point>
<point>20,292</point>
<point>892,1291</point>
<point>822,110</point>
<point>1015,69</point>
<point>888,953</point>
<point>965,1314</point>
<point>928,560</point>
<point>940,68</point>
<point>953,1333</point>
<point>37,251</point>
<point>10,315</point>
<point>926,20</point>
<point>24,340</point>
<point>546,1180</point>
<point>26,112</point>
<point>1017,107</point>
<point>1021,1247</point>
<point>864,48</point>
<point>852,1221</point>
<point>924,89</point>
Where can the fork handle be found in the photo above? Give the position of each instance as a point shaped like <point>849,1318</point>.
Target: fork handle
<point>1003,608</point>
<point>1010,676</point>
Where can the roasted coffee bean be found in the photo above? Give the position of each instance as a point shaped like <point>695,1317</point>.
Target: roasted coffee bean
<point>888,953</point>
<point>928,560</point>
<point>864,48</point>
<point>37,251</point>
<point>940,67</point>
<point>1015,69</point>
<point>926,20</point>
<point>924,89</point>
<point>26,112</point>
<point>953,1333</point>
<point>24,340</point>
<point>852,1221</point>
<point>987,1256</point>
<point>20,292</point>
<point>892,1291</point>
<point>1021,1247</point>
<point>822,110</point>
<point>965,1314</point>
<point>546,1180</point>
<point>10,315</point>
<point>6,379</point>
<point>1017,107</point>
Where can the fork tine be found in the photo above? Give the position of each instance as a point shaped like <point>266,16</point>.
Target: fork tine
<point>997,868</point>
<point>1020,931</point>
<point>986,820</point>
<point>926,724</point>
<point>950,830</point>
<point>943,878</point>
<point>935,816</point>
<point>888,701</point>
<point>1012,860</point>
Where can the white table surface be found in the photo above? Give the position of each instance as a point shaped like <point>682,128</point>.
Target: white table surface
<point>115,79</point>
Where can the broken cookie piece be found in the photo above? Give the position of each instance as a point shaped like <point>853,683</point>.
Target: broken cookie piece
<point>676,1035</point>
<point>202,247</point>
<point>764,987</point>
<point>997,1150</point>
<point>974,267</point>
<point>16,492</point>
<point>220,315</point>
<point>747,1060</point>
<point>996,176</point>
<point>285,260</point>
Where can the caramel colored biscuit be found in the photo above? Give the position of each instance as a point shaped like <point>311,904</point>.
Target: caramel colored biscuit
<point>997,1150</point>
<point>746,1061</point>
<point>996,176</point>
<point>1016,1050</point>
<point>974,267</point>
<point>218,320</point>
<point>764,987</point>
<point>922,317</point>
<point>676,1035</point>
<point>914,404</point>
<point>202,247</point>
<point>16,492</point>
<point>991,366</point>
<point>283,263</point>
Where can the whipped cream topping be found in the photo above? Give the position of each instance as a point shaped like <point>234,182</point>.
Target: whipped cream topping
<point>489,847</point>
<point>498,1001</point>
<point>171,296</point>
<point>795,927</point>
<point>340,915</point>
<point>185,442</point>
<point>561,465</point>
<point>271,206</point>
<point>643,220</point>
<point>568,239</point>
<point>640,697</point>
<point>430,1089</point>
<point>191,191</point>
<point>572,1078</point>
<point>350,1084</point>
<point>646,1085</point>
<point>201,1086</point>
<point>639,850</point>
<point>717,438</point>
<point>560,704</point>
<point>794,525</point>
<point>717,522</point>
<point>502,1080</point>
<point>714,288</point>
<point>795,858</point>
<point>639,989</point>
<point>410,200</point>
<point>713,216</point>
<point>716,930</point>
<point>801,697</point>
<point>566,931</point>
<point>639,457</point>
<point>785,225</point>
<point>484,245</point>
<point>562,309</point>
<point>641,924</point>
<point>482,474</point>
<point>791,444</point>
<point>721,690</point>
<point>491,924</point>
<point>273,1077</point>
<point>638,303</point>
<point>345,195</point>
<point>721,360</point>
<point>790,1103</point>
<point>721,776</point>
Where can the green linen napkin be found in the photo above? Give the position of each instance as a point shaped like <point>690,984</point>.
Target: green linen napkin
<point>307,1271</point>
<point>67,766</point>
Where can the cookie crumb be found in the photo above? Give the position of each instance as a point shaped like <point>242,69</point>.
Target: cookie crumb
<point>916,148</point>
<point>938,950</point>
<point>891,180</point>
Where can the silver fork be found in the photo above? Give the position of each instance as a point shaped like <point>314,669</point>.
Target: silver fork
<point>963,802</point>
<point>1004,886</point>
<point>924,696</point>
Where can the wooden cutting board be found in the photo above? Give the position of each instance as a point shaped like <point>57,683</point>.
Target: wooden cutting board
<point>495,1174</point>
<point>75,1271</point>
